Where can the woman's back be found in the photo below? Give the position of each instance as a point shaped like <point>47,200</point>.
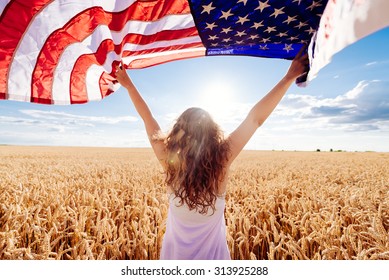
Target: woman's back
<point>191,235</point>
<point>195,156</point>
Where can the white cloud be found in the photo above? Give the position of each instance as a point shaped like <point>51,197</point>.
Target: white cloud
<point>15,120</point>
<point>60,128</point>
<point>70,118</point>
<point>371,63</point>
<point>365,107</point>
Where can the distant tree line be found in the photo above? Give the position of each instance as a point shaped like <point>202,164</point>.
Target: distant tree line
<point>331,150</point>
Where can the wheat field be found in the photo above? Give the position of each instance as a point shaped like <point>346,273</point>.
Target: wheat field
<point>110,203</point>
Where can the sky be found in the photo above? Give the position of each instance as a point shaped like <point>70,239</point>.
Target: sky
<point>346,107</point>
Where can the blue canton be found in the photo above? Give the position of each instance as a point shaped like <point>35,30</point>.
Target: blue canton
<point>272,28</point>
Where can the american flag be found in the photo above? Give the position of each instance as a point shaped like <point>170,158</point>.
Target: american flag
<point>64,52</point>
<point>275,29</point>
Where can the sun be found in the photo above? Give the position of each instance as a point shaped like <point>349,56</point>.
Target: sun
<point>218,99</point>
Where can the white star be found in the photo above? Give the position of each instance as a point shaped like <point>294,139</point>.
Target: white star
<point>282,34</point>
<point>310,30</point>
<point>242,20</point>
<point>226,30</point>
<point>277,12</point>
<point>207,8</point>
<point>253,37</point>
<point>290,19</point>
<point>214,37</point>
<point>240,33</point>
<point>264,40</point>
<point>263,47</point>
<point>293,38</point>
<point>210,25</point>
<point>227,14</point>
<point>314,5</point>
<point>270,29</point>
<point>244,2</point>
<point>256,25</point>
<point>262,5</point>
<point>214,44</point>
<point>240,42</point>
<point>288,48</point>
<point>301,24</point>
<point>227,40</point>
<point>297,1</point>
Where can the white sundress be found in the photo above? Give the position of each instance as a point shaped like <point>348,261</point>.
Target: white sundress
<point>193,236</point>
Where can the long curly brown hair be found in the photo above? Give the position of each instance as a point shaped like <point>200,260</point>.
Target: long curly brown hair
<point>196,157</point>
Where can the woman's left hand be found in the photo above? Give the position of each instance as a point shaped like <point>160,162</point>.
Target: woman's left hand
<point>122,76</point>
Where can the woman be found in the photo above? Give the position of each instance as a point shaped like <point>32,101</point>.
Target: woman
<point>196,159</point>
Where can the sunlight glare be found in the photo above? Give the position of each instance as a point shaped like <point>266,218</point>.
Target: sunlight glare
<point>218,99</point>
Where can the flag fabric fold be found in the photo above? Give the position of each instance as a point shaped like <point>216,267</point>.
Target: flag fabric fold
<point>343,23</point>
<point>65,52</point>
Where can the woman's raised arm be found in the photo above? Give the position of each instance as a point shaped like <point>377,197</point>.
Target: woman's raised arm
<point>151,124</point>
<point>262,110</point>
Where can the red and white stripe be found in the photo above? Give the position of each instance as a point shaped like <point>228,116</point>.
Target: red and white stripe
<point>63,52</point>
<point>3,3</point>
